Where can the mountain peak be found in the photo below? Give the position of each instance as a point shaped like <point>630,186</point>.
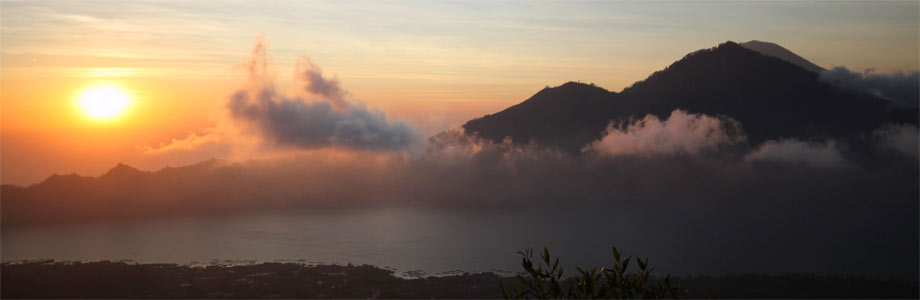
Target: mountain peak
<point>771,49</point>
<point>121,170</point>
<point>576,84</point>
<point>570,88</point>
<point>573,112</point>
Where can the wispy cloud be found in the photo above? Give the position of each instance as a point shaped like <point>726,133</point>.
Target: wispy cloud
<point>903,88</point>
<point>902,138</point>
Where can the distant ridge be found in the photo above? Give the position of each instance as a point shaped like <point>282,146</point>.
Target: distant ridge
<point>771,49</point>
<point>123,192</point>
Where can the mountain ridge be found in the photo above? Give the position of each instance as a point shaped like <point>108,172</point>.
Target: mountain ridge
<point>770,97</point>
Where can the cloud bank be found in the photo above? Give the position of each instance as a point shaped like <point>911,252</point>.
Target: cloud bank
<point>687,203</point>
<point>680,133</point>
<point>903,88</point>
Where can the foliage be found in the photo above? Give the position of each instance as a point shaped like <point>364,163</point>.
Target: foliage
<point>544,280</point>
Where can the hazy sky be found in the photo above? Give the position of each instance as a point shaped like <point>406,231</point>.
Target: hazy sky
<point>434,64</point>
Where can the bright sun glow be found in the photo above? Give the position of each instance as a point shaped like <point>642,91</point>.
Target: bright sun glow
<point>103,102</point>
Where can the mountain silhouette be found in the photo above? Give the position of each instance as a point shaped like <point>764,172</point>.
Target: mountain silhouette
<point>123,192</point>
<point>122,172</point>
<point>778,51</point>
<point>770,97</point>
<point>570,114</point>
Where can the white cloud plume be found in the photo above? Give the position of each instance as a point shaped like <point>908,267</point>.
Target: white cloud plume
<point>328,119</point>
<point>681,133</point>
<point>332,120</point>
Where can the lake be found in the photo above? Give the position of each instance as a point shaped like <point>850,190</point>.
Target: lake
<point>436,241</point>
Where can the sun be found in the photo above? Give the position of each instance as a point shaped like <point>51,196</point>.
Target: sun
<point>103,102</point>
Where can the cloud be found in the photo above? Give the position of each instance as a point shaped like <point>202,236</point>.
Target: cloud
<point>681,133</point>
<point>902,138</point>
<point>191,142</point>
<point>799,152</point>
<point>898,87</point>
<point>332,120</point>
<point>317,84</point>
<point>316,124</point>
<point>329,118</point>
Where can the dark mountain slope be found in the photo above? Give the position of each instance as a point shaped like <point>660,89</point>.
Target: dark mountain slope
<point>770,97</point>
<point>570,114</point>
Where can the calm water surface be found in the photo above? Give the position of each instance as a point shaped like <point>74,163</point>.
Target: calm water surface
<point>431,241</point>
<point>436,241</point>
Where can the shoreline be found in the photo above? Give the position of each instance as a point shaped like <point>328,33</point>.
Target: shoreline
<point>229,263</point>
<point>121,279</point>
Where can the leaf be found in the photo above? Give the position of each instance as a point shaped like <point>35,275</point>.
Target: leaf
<point>556,264</point>
<point>506,294</point>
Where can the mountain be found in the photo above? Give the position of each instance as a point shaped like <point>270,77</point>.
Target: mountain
<point>211,187</point>
<point>123,192</point>
<point>770,97</point>
<point>771,49</point>
<point>122,170</point>
<point>570,114</point>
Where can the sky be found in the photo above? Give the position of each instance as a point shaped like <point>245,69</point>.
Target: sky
<point>432,65</point>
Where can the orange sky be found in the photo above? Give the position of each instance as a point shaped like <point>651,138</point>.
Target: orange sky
<point>433,65</point>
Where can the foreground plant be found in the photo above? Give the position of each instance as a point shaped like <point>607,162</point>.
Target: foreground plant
<point>545,281</point>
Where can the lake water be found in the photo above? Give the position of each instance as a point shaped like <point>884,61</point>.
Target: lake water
<point>430,241</point>
<point>435,241</point>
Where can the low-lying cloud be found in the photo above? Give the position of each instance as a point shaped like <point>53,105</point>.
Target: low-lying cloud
<point>901,138</point>
<point>824,154</point>
<point>680,133</point>
<point>903,88</point>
